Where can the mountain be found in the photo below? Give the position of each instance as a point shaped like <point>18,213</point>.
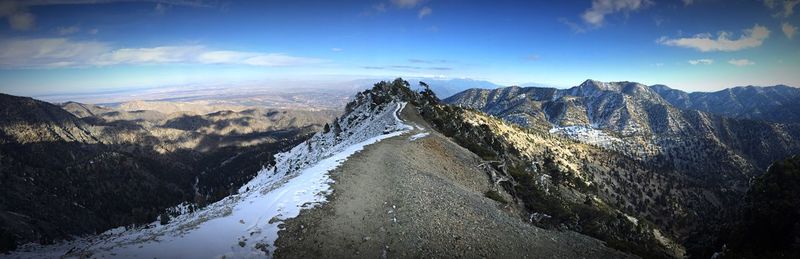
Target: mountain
<point>600,170</point>
<point>774,103</point>
<point>707,160</point>
<point>634,119</point>
<point>25,120</point>
<point>346,192</point>
<point>80,169</point>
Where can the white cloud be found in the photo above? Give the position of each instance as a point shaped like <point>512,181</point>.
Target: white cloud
<point>702,61</point>
<point>61,52</point>
<point>68,30</point>
<point>425,11</point>
<point>406,3</point>
<point>600,8</point>
<point>156,55</point>
<point>688,2</point>
<point>274,60</point>
<point>741,62</point>
<point>750,38</point>
<point>337,49</point>
<point>48,52</point>
<point>789,30</point>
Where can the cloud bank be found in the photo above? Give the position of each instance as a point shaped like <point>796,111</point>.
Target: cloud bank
<point>750,38</point>
<point>62,52</point>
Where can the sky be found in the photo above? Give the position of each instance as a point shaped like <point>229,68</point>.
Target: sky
<point>65,46</point>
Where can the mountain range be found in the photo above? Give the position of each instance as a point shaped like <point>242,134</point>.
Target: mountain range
<point>718,155</point>
<point>601,170</point>
<point>774,103</point>
<point>638,120</point>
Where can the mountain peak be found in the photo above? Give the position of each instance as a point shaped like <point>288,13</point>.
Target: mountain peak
<point>590,87</point>
<point>594,84</point>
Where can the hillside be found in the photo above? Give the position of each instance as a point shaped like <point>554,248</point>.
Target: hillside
<point>429,202</point>
<point>634,119</point>
<point>767,225</point>
<point>66,174</point>
<point>684,165</point>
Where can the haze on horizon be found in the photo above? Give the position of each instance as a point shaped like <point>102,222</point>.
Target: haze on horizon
<point>68,46</point>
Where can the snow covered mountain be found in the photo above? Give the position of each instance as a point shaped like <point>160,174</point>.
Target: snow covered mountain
<point>634,119</point>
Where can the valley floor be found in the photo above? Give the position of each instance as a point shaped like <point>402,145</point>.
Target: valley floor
<point>419,195</point>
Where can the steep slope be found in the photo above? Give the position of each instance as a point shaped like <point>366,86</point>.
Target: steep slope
<point>57,176</point>
<point>774,103</point>
<point>246,224</point>
<point>767,225</point>
<point>568,185</point>
<point>84,110</point>
<point>25,120</point>
<point>62,175</point>
<point>676,168</point>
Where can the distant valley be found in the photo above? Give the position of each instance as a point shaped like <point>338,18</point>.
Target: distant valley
<point>81,168</point>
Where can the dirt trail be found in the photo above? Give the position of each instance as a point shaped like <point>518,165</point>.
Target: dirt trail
<point>421,198</point>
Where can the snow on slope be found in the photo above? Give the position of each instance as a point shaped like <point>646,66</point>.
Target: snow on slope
<point>246,225</point>
<point>418,136</point>
<point>587,134</point>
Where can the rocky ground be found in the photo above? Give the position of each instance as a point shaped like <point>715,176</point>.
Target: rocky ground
<point>421,198</point>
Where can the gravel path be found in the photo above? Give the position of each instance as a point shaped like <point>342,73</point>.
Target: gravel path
<point>421,198</point>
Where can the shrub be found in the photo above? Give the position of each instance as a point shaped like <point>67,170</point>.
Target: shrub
<point>494,195</point>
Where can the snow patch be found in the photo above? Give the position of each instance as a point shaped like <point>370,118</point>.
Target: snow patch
<point>633,220</point>
<point>418,136</point>
<point>587,134</point>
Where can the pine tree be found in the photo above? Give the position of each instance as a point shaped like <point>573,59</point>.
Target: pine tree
<point>336,127</point>
<point>164,218</point>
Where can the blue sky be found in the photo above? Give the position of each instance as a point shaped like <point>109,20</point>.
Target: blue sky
<point>62,46</point>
